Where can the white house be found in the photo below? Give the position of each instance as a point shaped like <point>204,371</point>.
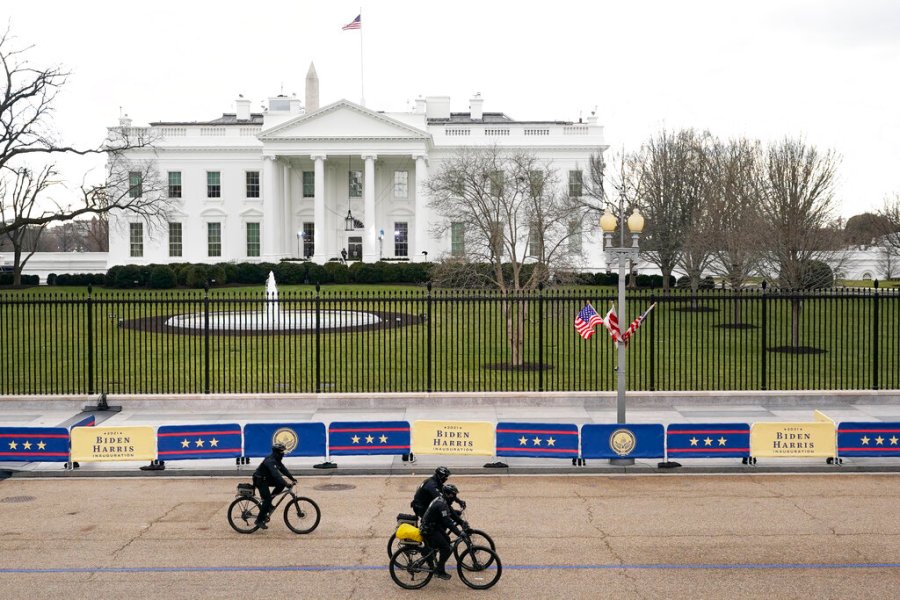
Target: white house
<point>262,187</point>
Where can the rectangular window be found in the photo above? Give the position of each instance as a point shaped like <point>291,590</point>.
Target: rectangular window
<point>252,239</point>
<point>309,239</point>
<point>575,184</point>
<point>214,239</point>
<point>213,184</point>
<point>496,183</point>
<point>534,242</point>
<point>536,183</point>
<point>401,239</point>
<point>496,241</point>
<point>356,184</point>
<point>252,184</point>
<point>175,246</point>
<point>135,184</point>
<point>354,248</point>
<point>575,237</point>
<point>136,238</point>
<point>175,184</point>
<point>457,239</point>
<point>401,184</point>
<point>309,184</point>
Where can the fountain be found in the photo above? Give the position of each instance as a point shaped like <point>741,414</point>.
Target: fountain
<point>273,318</point>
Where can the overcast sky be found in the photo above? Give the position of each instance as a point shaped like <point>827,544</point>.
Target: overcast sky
<point>823,69</point>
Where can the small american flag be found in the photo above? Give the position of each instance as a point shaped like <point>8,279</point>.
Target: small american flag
<point>354,24</point>
<point>586,320</point>
<point>612,325</point>
<point>636,323</point>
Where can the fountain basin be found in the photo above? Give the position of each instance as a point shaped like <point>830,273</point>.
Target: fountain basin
<point>281,320</point>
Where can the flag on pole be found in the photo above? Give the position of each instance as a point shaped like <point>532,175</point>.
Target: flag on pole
<point>587,319</point>
<point>612,324</point>
<point>354,24</point>
<point>636,323</point>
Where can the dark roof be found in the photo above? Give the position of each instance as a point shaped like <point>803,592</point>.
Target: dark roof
<point>225,119</point>
<point>491,118</point>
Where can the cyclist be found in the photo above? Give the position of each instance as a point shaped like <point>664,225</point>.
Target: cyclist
<point>269,473</point>
<point>438,518</point>
<point>431,489</point>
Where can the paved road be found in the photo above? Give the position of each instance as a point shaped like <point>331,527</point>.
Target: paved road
<point>659,536</point>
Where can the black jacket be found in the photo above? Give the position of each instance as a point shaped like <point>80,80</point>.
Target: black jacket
<point>428,491</point>
<point>270,471</point>
<point>440,517</point>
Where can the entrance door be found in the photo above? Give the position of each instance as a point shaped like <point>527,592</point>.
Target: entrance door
<point>354,248</point>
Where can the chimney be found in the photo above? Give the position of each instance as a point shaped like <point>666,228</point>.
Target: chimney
<point>592,120</point>
<point>312,89</point>
<point>242,108</point>
<point>420,105</point>
<point>124,121</point>
<point>437,107</point>
<point>296,107</point>
<point>476,107</point>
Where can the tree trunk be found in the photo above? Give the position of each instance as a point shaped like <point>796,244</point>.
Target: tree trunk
<point>17,267</point>
<point>516,315</point>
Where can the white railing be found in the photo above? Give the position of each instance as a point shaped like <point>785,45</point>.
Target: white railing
<point>250,131</point>
<point>212,131</point>
<point>575,130</point>
<point>458,131</point>
<point>537,132</point>
<point>173,131</point>
<point>496,132</point>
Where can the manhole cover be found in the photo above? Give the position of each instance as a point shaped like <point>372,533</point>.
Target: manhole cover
<point>13,499</point>
<point>334,487</point>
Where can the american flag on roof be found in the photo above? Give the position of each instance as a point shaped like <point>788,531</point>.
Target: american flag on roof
<point>586,320</point>
<point>354,24</point>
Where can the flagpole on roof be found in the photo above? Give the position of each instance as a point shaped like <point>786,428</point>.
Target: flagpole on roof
<point>362,87</point>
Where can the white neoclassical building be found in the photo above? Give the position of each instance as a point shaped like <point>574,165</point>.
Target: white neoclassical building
<point>311,181</point>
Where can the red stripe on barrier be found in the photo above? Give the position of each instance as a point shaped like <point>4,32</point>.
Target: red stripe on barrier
<point>190,451</point>
<point>868,430</point>
<point>541,431</point>
<point>550,450</point>
<point>182,433</point>
<point>366,429</point>
<point>372,446</point>
<point>34,435</point>
<point>671,450</point>
<point>33,455</point>
<point>705,431</point>
<point>872,449</point>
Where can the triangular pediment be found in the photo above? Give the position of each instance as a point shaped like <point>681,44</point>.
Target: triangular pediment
<point>342,120</point>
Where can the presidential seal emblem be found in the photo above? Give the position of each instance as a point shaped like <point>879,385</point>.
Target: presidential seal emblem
<point>288,437</point>
<point>622,442</point>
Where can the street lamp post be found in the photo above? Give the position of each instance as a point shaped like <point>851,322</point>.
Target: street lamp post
<point>635,225</point>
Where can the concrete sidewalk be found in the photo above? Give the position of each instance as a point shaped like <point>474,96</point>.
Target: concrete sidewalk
<point>663,408</point>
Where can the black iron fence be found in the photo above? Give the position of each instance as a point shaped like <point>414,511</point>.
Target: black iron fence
<point>443,341</point>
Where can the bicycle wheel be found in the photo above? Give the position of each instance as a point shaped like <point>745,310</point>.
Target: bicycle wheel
<point>393,544</point>
<point>478,538</point>
<point>242,514</point>
<point>481,576</point>
<point>404,570</point>
<point>302,515</point>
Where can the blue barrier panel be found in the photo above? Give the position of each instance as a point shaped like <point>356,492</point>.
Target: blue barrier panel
<point>39,444</point>
<point>708,440</point>
<point>545,440</point>
<point>300,439</point>
<point>347,438</point>
<point>88,421</point>
<point>868,439</point>
<point>179,442</point>
<point>622,441</point>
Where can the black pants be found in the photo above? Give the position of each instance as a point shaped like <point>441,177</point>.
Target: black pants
<point>439,541</point>
<point>266,494</point>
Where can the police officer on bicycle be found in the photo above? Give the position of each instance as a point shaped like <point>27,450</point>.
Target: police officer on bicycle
<point>269,473</point>
<point>438,518</point>
<point>431,489</point>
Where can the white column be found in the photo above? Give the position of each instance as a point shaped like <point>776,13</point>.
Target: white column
<point>420,236</point>
<point>289,235</point>
<point>270,212</point>
<point>370,239</point>
<point>321,251</point>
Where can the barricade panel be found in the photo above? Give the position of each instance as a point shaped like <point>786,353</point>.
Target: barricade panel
<point>453,438</point>
<point>182,442</point>
<point>103,444</point>
<point>348,438</point>
<point>38,444</point>
<point>877,438</point>
<point>543,440</point>
<point>708,440</point>
<point>622,441</point>
<point>814,439</point>
<point>300,439</point>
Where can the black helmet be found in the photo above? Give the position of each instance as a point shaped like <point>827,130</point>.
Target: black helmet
<point>279,448</point>
<point>443,473</point>
<point>450,491</point>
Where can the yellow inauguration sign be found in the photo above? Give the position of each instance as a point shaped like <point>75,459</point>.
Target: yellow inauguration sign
<point>98,444</point>
<point>456,438</point>
<point>793,440</point>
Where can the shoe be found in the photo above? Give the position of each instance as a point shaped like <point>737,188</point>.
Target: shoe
<point>262,525</point>
<point>442,575</point>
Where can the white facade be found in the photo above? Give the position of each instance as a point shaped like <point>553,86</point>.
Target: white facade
<point>393,153</point>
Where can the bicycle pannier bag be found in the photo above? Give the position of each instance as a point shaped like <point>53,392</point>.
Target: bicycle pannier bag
<point>245,489</point>
<point>408,532</point>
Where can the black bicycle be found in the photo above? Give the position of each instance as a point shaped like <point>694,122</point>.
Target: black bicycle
<point>477,537</point>
<point>413,565</point>
<point>301,514</point>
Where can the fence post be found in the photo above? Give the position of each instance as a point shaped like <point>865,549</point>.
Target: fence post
<point>541,337</point>
<point>206,389</point>
<point>428,383</point>
<point>90,340</point>
<point>652,348</point>
<point>318,339</point>
<point>762,336</point>
<point>875,327</point>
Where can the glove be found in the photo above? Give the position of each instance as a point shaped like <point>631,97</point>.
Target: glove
<point>462,504</point>
<point>464,535</point>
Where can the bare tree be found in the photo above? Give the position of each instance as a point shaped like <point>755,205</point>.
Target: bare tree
<point>28,146</point>
<point>889,234</point>
<point>698,189</point>
<point>798,204</point>
<point>19,195</point>
<point>512,222</point>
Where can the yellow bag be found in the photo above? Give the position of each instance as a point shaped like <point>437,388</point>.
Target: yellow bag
<point>408,532</point>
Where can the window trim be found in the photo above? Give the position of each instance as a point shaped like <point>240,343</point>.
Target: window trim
<point>248,241</point>
<point>170,186</point>
<point>247,185</point>
<point>209,254</point>
<point>135,248</point>
<point>180,241</point>
<point>209,186</point>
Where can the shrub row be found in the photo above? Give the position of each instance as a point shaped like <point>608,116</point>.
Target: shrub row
<point>77,279</point>
<point>7,279</point>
